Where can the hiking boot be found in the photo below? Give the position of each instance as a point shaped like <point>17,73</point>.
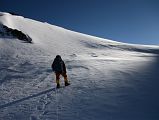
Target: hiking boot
<point>58,86</point>
<point>66,83</point>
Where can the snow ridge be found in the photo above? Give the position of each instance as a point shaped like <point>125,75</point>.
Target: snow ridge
<point>109,80</point>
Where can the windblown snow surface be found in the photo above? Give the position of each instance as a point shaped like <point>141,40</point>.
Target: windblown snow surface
<point>109,80</point>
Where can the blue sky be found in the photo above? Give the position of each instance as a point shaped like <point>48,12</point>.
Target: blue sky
<point>131,21</point>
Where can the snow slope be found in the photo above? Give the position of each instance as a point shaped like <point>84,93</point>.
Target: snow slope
<point>109,80</point>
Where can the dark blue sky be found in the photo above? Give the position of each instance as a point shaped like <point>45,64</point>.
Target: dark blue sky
<point>131,21</point>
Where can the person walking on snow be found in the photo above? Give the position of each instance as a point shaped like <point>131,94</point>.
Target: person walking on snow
<point>59,68</point>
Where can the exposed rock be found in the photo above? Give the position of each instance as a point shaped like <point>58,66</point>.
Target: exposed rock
<point>7,32</point>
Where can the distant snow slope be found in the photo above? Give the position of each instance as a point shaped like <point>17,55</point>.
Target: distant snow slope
<point>109,80</point>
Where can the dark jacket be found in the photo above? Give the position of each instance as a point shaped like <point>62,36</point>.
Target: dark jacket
<point>58,65</point>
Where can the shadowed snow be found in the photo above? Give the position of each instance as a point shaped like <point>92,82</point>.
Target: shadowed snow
<point>109,80</point>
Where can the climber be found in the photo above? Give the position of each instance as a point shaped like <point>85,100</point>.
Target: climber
<point>59,68</point>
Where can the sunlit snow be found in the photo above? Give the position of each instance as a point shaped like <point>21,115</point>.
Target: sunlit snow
<point>109,80</point>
